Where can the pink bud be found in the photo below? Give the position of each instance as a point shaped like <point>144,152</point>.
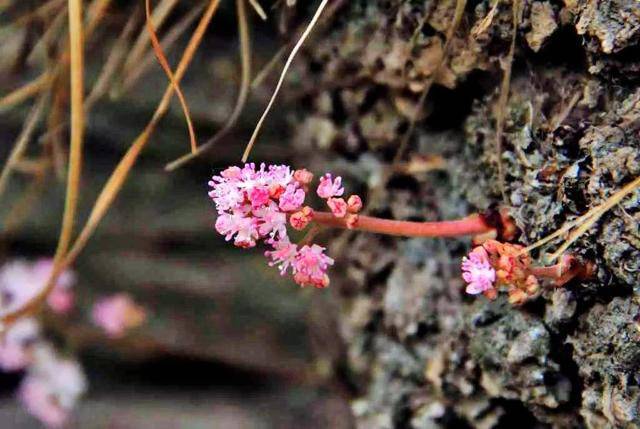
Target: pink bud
<point>300,219</point>
<point>354,204</point>
<point>304,176</point>
<point>338,206</point>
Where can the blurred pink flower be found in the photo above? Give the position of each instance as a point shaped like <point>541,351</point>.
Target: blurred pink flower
<point>117,314</point>
<point>20,281</point>
<point>16,344</point>
<point>51,387</point>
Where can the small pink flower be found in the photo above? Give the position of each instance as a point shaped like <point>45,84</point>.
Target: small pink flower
<point>244,229</point>
<point>329,188</point>
<point>271,221</point>
<point>478,272</point>
<point>117,314</point>
<point>259,196</point>
<point>338,206</point>
<point>292,198</point>
<point>283,255</point>
<point>311,265</point>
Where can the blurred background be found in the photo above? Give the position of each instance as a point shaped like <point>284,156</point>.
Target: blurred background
<point>226,342</point>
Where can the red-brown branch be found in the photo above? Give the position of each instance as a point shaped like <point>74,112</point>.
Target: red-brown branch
<point>470,225</point>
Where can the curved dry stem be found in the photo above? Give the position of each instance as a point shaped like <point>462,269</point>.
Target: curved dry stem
<point>167,41</point>
<point>160,14</point>
<point>162,59</point>
<point>243,95</point>
<point>294,51</point>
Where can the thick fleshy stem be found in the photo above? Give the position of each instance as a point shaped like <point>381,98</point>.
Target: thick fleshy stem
<point>471,225</point>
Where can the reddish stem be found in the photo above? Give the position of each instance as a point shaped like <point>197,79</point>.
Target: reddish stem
<point>470,225</point>
<point>565,270</point>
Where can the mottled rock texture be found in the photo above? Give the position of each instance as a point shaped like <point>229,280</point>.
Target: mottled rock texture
<point>419,353</point>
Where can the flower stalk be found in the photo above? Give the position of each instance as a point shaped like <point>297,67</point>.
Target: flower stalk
<point>471,225</point>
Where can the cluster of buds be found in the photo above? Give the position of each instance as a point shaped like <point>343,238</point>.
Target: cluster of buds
<point>494,265</point>
<point>256,204</point>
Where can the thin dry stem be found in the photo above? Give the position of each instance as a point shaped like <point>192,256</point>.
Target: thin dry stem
<point>294,51</point>
<point>170,38</point>
<point>25,92</point>
<point>101,86</point>
<point>162,59</point>
<point>245,57</point>
<point>23,140</point>
<point>160,14</point>
<point>77,127</point>
<point>596,214</point>
<point>95,14</point>
<point>259,10</point>
<point>42,10</point>
<point>268,67</point>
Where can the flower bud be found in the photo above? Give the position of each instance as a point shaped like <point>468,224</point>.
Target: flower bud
<point>354,204</point>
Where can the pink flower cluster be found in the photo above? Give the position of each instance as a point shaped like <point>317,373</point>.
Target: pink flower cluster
<point>52,384</point>
<point>257,204</point>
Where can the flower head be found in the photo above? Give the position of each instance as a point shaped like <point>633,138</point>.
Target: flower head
<point>478,272</point>
<point>255,204</point>
<point>252,203</point>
